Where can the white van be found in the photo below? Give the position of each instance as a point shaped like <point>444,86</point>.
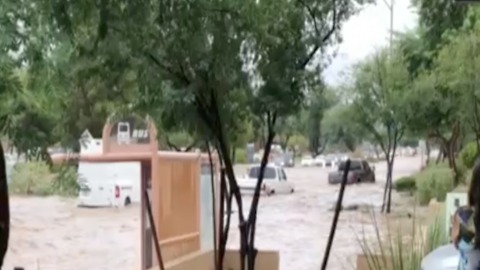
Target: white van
<point>108,184</point>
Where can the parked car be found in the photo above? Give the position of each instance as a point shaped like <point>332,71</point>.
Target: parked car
<point>360,171</point>
<point>320,161</point>
<point>332,160</point>
<point>445,257</point>
<point>274,180</point>
<point>284,160</point>
<point>307,161</point>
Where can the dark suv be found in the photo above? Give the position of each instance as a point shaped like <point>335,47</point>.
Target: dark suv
<point>360,171</point>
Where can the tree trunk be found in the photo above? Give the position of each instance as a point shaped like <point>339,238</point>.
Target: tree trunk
<point>377,153</point>
<point>477,141</point>
<point>427,150</point>
<point>252,216</point>
<point>390,182</point>
<point>452,162</point>
<point>440,154</point>
<point>284,143</point>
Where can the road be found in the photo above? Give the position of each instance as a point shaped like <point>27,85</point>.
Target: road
<point>52,234</point>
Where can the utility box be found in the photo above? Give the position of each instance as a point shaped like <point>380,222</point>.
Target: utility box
<point>452,202</point>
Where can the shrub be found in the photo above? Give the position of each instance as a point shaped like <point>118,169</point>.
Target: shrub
<point>36,178</point>
<point>405,184</point>
<point>462,170</point>
<point>32,178</point>
<point>240,155</point>
<point>397,250</point>
<point>434,182</point>
<point>468,154</point>
<point>66,183</point>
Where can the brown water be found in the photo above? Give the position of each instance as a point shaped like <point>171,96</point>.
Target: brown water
<point>53,234</point>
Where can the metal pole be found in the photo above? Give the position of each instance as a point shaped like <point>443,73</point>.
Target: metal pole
<point>154,229</point>
<point>338,209</point>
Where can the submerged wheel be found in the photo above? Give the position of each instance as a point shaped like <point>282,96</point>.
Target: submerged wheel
<point>271,192</point>
<point>292,190</point>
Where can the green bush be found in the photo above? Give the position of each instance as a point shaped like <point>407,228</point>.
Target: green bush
<point>32,178</point>
<point>240,155</point>
<point>66,180</point>
<point>405,184</point>
<point>36,178</point>
<point>462,170</point>
<point>468,154</point>
<point>434,182</point>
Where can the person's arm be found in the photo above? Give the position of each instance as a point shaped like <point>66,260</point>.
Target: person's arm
<point>455,219</point>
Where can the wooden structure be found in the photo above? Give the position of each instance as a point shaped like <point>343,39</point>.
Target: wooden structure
<point>179,185</point>
<point>180,188</point>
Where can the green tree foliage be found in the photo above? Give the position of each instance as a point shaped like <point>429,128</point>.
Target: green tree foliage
<point>320,100</point>
<point>469,154</point>
<point>339,125</point>
<point>379,99</point>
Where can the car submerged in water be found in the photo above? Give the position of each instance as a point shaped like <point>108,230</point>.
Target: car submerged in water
<point>360,172</point>
<point>274,180</point>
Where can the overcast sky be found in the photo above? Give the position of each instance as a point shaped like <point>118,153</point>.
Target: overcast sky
<point>365,32</point>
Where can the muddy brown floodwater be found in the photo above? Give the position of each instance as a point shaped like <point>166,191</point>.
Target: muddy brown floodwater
<point>53,234</point>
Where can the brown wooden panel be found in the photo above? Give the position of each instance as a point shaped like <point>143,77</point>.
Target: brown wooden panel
<point>181,246</point>
<point>266,260</point>
<point>177,190</point>
<point>202,260</point>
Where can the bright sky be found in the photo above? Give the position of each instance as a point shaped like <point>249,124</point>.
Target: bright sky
<point>365,32</point>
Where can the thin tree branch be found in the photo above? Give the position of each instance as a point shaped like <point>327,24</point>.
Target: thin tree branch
<point>303,63</point>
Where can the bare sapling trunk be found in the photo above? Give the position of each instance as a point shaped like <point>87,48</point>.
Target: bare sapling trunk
<point>225,208</point>
<point>390,183</point>
<point>338,209</point>
<point>448,148</point>
<point>390,153</point>
<point>226,199</point>
<point>427,150</point>
<point>4,209</point>
<point>390,164</point>
<point>208,112</point>
<point>252,216</point>
<point>387,185</point>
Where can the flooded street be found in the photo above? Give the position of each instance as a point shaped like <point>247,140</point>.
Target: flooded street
<point>52,234</point>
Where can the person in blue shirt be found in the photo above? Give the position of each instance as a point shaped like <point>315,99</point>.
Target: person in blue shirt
<point>465,224</point>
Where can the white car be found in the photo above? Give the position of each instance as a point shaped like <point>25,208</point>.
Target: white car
<point>320,160</point>
<point>307,162</point>
<point>274,180</point>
